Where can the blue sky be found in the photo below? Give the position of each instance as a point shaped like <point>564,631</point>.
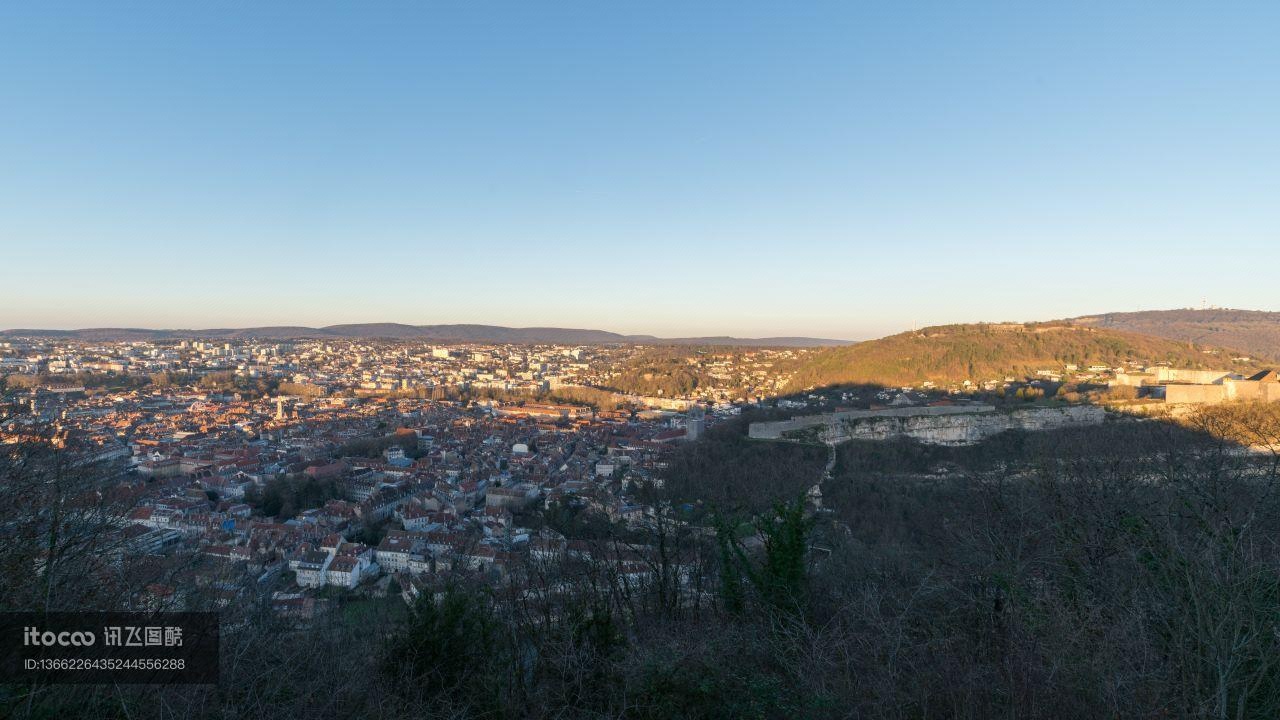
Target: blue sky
<point>839,169</point>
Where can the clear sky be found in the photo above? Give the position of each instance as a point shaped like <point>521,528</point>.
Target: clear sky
<point>843,169</point>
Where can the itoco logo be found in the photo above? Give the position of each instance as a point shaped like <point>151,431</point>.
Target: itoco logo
<point>33,636</point>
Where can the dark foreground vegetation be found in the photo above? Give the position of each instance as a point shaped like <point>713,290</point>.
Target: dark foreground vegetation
<point>1129,570</point>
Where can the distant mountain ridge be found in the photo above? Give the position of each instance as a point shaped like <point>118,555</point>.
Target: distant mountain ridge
<point>399,331</point>
<point>1253,331</point>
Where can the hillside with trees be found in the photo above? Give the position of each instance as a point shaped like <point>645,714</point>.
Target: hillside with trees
<point>666,371</point>
<point>955,353</point>
<point>1253,331</point>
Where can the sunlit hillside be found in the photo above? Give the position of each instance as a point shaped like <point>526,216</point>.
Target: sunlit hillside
<point>1252,331</point>
<point>954,353</point>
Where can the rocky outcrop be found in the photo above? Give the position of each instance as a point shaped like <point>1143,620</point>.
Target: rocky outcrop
<point>951,425</point>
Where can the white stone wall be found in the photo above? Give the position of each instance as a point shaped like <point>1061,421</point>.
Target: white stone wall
<point>953,425</point>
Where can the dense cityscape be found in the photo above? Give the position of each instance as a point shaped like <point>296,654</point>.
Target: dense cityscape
<point>415,459</point>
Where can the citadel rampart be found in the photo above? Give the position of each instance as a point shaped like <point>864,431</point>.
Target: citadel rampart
<point>948,425</point>
<point>1203,387</point>
<point>1225,391</point>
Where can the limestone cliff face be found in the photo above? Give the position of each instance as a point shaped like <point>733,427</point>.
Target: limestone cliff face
<point>941,426</point>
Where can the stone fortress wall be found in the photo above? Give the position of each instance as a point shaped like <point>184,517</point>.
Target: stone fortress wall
<point>945,425</point>
<point>1229,389</point>
<point>1203,387</point>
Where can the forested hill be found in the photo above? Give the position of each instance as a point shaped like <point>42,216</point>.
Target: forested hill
<point>1252,331</point>
<point>954,353</point>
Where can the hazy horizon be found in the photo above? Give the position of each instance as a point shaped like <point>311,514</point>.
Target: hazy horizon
<point>704,333</point>
<point>824,170</point>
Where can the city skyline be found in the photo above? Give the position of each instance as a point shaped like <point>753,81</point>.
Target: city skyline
<point>749,170</point>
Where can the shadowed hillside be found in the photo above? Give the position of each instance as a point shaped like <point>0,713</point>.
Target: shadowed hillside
<point>954,353</point>
<point>1253,331</point>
